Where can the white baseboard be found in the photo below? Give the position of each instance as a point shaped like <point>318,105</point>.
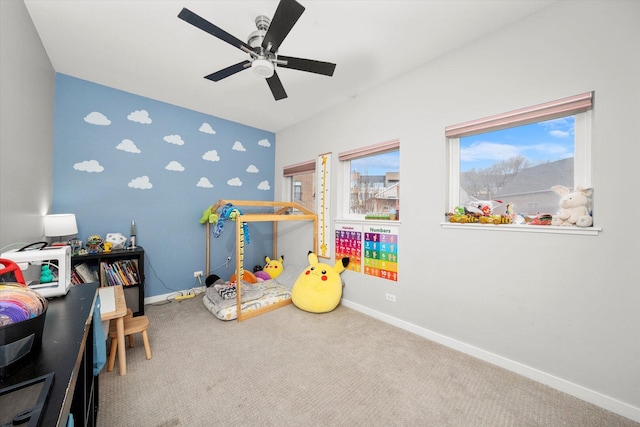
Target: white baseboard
<point>588,395</point>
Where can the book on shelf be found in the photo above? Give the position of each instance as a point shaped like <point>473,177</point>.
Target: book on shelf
<point>85,274</point>
<point>120,273</point>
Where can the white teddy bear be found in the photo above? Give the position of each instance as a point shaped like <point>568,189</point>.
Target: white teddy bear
<point>574,207</point>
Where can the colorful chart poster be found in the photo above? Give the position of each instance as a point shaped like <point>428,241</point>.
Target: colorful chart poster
<point>381,252</point>
<point>349,244</point>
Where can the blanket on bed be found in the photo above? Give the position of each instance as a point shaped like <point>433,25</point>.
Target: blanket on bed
<point>221,294</point>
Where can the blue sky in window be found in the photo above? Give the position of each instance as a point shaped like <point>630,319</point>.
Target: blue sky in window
<point>378,164</point>
<point>538,142</point>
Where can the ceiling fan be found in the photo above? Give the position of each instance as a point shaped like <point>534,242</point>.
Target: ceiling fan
<point>262,46</point>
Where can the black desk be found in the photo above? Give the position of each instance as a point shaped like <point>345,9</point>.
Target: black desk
<point>67,350</point>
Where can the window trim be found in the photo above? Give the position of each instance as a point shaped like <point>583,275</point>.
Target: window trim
<point>580,106</point>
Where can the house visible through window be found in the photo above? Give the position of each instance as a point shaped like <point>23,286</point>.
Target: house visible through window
<point>374,181</point>
<point>515,158</point>
<point>302,181</point>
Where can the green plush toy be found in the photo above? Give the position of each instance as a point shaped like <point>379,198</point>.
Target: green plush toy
<point>209,215</point>
<point>318,289</point>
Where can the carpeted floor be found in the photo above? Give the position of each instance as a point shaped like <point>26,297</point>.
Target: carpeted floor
<point>292,368</point>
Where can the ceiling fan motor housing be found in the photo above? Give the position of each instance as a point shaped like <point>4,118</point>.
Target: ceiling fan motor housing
<point>261,64</point>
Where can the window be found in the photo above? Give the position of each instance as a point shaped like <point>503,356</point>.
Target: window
<point>373,187</point>
<point>515,158</point>
<point>302,183</point>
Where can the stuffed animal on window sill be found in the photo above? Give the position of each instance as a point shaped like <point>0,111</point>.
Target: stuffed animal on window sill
<point>318,289</point>
<point>574,207</point>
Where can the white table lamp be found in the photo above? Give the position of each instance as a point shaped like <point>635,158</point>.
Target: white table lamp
<point>60,225</point>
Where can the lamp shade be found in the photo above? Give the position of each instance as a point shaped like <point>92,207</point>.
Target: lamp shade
<point>60,225</point>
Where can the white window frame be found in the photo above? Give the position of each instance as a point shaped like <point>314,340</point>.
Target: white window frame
<point>580,106</point>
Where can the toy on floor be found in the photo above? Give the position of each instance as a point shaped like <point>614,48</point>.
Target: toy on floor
<point>274,267</point>
<point>318,289</point>
<point>574,207</point>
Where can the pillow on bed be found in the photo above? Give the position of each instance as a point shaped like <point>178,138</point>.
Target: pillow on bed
<point>226,291</point>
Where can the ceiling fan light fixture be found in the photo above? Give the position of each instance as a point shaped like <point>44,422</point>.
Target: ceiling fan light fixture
<point>262,68</point>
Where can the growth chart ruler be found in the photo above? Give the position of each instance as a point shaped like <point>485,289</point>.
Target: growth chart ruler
<point>323,203</point>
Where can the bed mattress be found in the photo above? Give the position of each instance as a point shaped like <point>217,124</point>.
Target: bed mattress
<point>272,293</point>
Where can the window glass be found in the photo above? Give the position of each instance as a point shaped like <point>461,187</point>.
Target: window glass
<point>517,166</point>
<point>375,185</point>
<point>303,190</point>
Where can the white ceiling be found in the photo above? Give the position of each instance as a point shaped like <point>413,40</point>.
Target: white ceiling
<point>140,46</point>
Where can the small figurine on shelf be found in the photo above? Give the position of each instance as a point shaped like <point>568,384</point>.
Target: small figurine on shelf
<point>94,244</point>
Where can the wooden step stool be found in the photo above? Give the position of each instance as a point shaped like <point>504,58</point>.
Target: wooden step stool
<point>132,325</point>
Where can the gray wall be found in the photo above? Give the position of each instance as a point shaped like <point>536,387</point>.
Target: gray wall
<point>562,309</point>
<point>26,127</point>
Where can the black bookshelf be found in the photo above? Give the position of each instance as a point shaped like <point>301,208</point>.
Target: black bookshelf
<point>133,293</point>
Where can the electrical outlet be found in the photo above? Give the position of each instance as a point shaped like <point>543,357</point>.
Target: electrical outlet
<point>197,274</point>
<point>391,297</point>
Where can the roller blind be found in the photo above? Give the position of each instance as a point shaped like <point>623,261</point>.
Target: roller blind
<point>299,168</point>
<point>537,113</point>
<point>370,150</point>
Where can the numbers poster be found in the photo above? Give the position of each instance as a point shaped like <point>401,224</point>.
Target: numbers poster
<point>372,249</point>
<point>381,252</point>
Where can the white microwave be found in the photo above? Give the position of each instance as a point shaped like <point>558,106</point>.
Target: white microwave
<point>57,258</point>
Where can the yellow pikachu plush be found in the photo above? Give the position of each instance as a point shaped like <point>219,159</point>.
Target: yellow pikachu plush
<point>274,267</point>
<point>318,289</point>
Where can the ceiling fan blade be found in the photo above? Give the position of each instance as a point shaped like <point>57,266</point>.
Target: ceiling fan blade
<point>310,65</point>
<point>197,21</point>
<point>229,71</point>
<point>276,87</point>
<point>286,16</point>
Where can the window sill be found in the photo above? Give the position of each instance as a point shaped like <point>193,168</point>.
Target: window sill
<point>549,229</point>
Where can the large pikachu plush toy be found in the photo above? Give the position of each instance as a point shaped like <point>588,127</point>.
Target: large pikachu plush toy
<point>318,289</point>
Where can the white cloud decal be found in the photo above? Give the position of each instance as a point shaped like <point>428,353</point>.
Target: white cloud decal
<point>204,183</point>
<point>206,128</point>
<point>141,183</point>
<point>88,166</point>
<point>237,146</point>
<point>140,116</point>
<point>252,169</point>
<point>211,156</point>
<point>174,166</point>
<point>95,118</point>
<point>235,182</point>
<point>174,139</point>
<point>129,146</point>
<point>264,185</point>
<point>264,143</point>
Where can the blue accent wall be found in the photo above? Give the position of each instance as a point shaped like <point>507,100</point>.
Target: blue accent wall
<point>120,157</point>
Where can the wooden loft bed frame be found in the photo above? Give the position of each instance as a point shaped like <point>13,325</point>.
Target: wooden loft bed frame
<point>282,211</point>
